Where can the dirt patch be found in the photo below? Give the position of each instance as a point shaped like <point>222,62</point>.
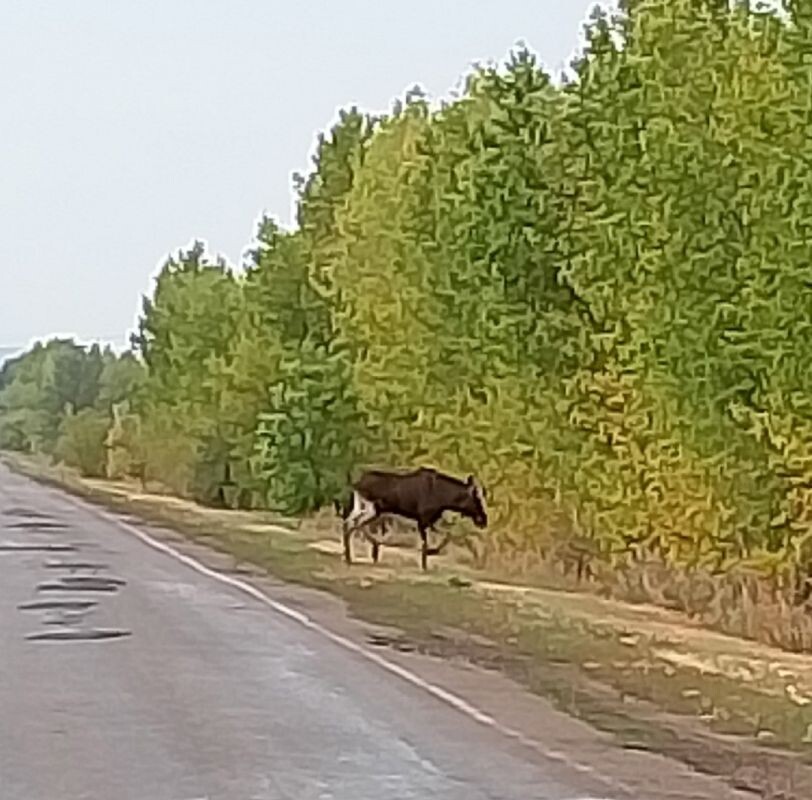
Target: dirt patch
<point>389,555</point>
<point>670,638</point>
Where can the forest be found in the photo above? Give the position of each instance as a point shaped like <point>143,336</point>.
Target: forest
<point>592,291</point>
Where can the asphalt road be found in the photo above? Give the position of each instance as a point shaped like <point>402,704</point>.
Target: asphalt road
<point>194,690</point>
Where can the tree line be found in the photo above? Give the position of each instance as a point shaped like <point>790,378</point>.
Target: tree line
<point>595,293</point>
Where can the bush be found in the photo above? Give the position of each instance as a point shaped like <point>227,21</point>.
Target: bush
<point>81,442</point>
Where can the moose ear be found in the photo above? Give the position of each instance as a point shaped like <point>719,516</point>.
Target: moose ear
<point>470,480</point>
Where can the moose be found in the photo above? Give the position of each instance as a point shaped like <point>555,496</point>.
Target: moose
<point>422,496</point>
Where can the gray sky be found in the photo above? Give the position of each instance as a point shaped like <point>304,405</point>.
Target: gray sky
<point>130,127</point>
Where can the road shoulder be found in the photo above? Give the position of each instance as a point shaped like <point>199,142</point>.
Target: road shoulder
<point>627,689</point>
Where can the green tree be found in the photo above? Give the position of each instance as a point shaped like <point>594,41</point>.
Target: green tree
<point>184,336</point>
<point>309,433</point>
<point>43,385</point>
<point>304,423</point>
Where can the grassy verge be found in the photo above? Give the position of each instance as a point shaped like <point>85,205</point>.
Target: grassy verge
<point>725,706</point>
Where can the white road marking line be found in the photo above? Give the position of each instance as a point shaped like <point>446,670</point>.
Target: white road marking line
<point>415,680</point>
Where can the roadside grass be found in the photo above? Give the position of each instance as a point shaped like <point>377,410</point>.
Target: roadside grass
<point>650,677</point>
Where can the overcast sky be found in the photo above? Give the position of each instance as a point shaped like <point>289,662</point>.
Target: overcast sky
<point>130,127</point>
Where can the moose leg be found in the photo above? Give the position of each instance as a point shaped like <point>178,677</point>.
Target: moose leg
<point>424,547</point>
<point>347,535</point>
<point>375,544</point>
<point>437,549</point>
<point>362,512</point>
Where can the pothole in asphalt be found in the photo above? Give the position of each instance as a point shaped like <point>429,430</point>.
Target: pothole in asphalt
<point>36,525</point>
<point>81,583</point>
<point>77,634</point>
<point>19,511</point>
<point>57,605</point>
<point>81,580</point>
<point>73,565</point>
<point>62,616</point>
<point>25,547</point>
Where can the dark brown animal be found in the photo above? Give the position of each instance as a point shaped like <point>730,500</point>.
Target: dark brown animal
<point>423,496</point>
